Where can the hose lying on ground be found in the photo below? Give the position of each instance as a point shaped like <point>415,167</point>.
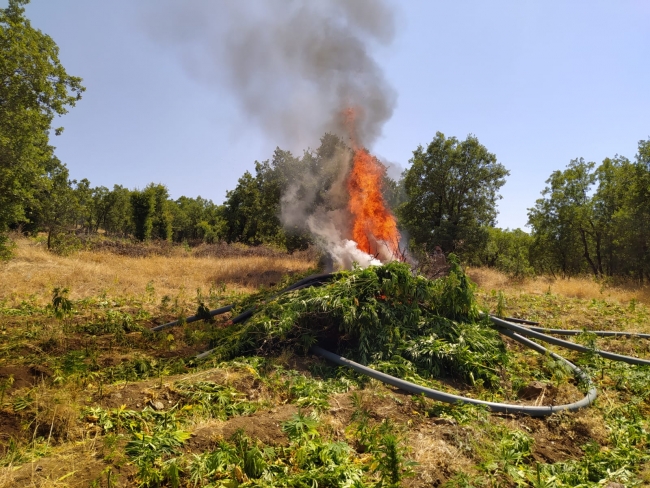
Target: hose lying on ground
<point>527,331</point>
<point>312,280</point>
<point>600,333</point>
<point>508,327</point>
<point>441,396</point>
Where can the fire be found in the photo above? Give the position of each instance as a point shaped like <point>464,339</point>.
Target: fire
<point>373,225</point>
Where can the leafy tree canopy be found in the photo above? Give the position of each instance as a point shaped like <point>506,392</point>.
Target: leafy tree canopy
<point>605,232</point>
<point>452,188</point>
<point>34,88</point>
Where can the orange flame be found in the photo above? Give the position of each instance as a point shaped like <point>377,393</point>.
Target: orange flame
<point>373,224</point>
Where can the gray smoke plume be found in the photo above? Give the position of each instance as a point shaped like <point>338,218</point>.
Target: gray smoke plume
<point>292,65</point>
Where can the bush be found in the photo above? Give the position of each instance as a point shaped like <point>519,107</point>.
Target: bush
<point>6,247</point>
<point>65,244</point>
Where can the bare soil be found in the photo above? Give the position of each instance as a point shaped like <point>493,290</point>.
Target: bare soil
<point>24,376</point>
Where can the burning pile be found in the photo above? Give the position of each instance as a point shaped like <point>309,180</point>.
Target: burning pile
<point>340,202</point>
<point>292,69</point>
<point>374,228</point>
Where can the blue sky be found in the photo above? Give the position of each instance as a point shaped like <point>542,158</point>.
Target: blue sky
<point>539,83</point>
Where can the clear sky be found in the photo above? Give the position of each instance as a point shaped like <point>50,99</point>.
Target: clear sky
<point>538,82</point>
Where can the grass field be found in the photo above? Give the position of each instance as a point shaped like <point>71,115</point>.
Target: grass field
<point>89,396</point>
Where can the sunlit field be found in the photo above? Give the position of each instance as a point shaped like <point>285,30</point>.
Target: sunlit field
<point>579,287</point>
<point>91,397</point>
<point>34,272</point>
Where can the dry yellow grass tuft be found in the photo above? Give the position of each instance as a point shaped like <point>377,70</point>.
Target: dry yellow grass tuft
<point>584,287</point>
<point>35,271</point>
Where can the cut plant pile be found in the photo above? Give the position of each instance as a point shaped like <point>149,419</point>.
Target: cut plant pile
<point>92,397</point>
<point>376,315</point>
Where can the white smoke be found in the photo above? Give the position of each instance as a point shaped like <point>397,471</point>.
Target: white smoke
<point>344,252</point>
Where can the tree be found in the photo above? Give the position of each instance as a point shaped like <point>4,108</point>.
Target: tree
<point>119,213</point>
<point>34,88</point>
<point>84,194</point>
<point>638,204</point>
<point>451,188</point>
<point>242,209</point>
<point>142,207</point>
<point>558,217</point>
<point>509,251</point>
<point>393,192</point>
<point>58,206</point>
<point>99,208</point>
<point>253,211</point>
<point>151,213</point>
<point>197,219</point>
<point>162,217</point>
<point>605,231</point>
<point>563,219</point>
<point>615,177</point>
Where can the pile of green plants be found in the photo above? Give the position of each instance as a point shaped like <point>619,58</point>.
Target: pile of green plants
<point>384,316</point>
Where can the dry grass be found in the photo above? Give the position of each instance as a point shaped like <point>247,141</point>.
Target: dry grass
<point>436,457</point>
<point>72,465</point>
<point>35,271</point>
<point>583,288</point>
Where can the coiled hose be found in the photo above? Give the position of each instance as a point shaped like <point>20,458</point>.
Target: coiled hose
<point>516,329</point>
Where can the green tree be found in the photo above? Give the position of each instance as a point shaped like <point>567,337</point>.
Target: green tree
<point>241,211</point>
<point>197,219</point>
<point>86,217</point>
<point>562,220</point>
<point>162,217</point>
<point>615,176</point>
<point>638,208</point>
<point>605,231</point>
<point>452,189</point>
<point>252,211</point>
<point>99,207</point>
<point>34,88</point>
<point>509,251</point>
<point>152,213</point>
<point>142,208</point>
<point>58,206</point>
<point>119,212</point>
<point>394,192</point>
<point>274,178</point>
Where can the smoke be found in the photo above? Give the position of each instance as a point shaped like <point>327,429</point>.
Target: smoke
<point>317,201</point>
<point>292,65</point>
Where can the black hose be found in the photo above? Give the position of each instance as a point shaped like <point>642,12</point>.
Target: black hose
<point>599,333</point>
<point>568,332</point>
<point>442,396</point>
<point>566,344</point>
<point>312,280</point>
<point>520,321</point>
<point>193,318</point>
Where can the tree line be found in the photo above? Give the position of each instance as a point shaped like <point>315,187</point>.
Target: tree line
<point>589,219</point>
<point>595,219</point>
